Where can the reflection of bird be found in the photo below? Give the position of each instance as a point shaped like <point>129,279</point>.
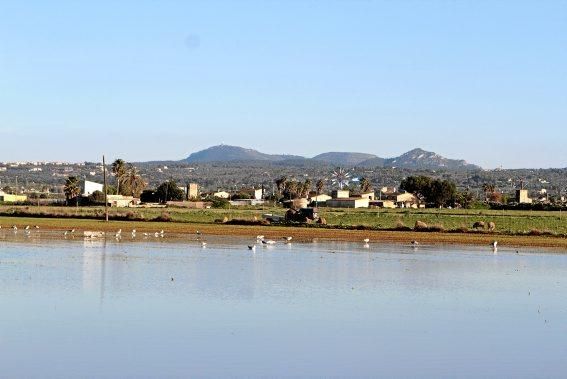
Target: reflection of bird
<point>366,240</point>
<point>252,247</point>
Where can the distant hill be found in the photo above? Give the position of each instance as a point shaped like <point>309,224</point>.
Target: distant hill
<point>344,159</point>
<point>413,159</point>
<point>227,153</point>
<point>421,159</point>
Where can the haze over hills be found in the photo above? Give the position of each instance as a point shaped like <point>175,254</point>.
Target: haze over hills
<point>413,159</point>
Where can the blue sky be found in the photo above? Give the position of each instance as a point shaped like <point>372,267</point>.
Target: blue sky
<point>484,81</point>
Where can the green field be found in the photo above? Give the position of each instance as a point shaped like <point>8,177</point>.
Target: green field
<point>507,222</point>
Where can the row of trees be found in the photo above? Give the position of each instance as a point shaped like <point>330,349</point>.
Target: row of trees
<point>440,193</point>
<point>128,180</point>
<point>292,189</point>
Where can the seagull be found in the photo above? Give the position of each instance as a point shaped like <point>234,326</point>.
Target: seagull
<point>37,226</point>
<point>119,231</point>
<point>203,244</point>
<point>198,233</point>
<point>268,242</point>
<point>72,231</point>
<point>494,244</point>
<point>366,240</point>
<point>288,239</point>
<point>15,227</point>
<point>133,231</point>
<point>259,237</point>
<point>27,227</point>
<point>414,243</point>
<point>156,234</point>
<point>252,247</point>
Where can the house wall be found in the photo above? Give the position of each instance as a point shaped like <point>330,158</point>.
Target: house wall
<point>8,198</point>
<point>348,203</point>
<point>90,187</point>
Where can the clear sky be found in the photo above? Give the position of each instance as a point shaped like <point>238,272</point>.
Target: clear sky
<point>480,80</point>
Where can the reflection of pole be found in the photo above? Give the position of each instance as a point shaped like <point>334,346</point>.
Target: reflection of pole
<point>105,190</point>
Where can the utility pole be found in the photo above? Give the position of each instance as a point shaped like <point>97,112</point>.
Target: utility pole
<point>105,189</point>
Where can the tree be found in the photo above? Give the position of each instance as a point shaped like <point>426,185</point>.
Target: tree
<point>319,186</point>
<point>281,184</point>
<point>305,188</point>
<point>442,193</point>
<point>364,185</point>
<point>119,171</point>
<point>72,189</point>
<point>464,198</point>
<point>418,185</point>
<point>97,197</point>
<point>436,191</point>
<point>169,191</point>
<point>134,181</point>
<point>488,189</point>
<point>291,189</point>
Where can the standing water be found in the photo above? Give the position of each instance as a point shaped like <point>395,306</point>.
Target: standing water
<point>78,308</point>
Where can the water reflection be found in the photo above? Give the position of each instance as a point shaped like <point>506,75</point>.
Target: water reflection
<point>159,308</point>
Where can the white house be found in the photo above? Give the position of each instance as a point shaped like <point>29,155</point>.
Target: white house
<point>90,187</point>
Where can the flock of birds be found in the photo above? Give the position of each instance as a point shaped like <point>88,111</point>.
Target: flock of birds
<point>260,239</point>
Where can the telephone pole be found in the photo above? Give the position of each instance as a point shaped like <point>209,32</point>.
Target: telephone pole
<point>105,189</point>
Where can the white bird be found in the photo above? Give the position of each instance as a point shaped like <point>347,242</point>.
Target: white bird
<point>37,226</point>
<point>288,239</point>
<point>156,234</point>
<point>203,244</point>
<point>72,231</point>
<point>27,227</point>
<point>414,243</point>
<point>494,244</point>
<point>268,242</point>
<point>198,233</point>
<point>366,240</point>
<point>252,247</point>
<point>133,231</point>
<point>15,227</point>
<point>259,237</point>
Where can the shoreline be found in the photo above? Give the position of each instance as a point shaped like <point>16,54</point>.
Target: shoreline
<point>277,232</point>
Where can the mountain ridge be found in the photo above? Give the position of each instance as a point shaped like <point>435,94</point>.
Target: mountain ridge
<point>415,158</point>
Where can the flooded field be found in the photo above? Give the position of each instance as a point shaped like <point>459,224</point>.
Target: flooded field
<point>171,307</point>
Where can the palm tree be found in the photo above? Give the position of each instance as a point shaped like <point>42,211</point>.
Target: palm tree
<point>364,185</point>
<point>119,171</point>
<point>72,189</point>
<point>134,181</point>
<point>281,184</point>
<point>488,188</point>
<point>305,188</point>
<point>291,188</point>
<point>319,187</point>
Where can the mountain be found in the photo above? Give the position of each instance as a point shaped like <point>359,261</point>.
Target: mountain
<point>344,159</point>
<point>421,159</point>
<point>413,159</point>
<point>227,153</point>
